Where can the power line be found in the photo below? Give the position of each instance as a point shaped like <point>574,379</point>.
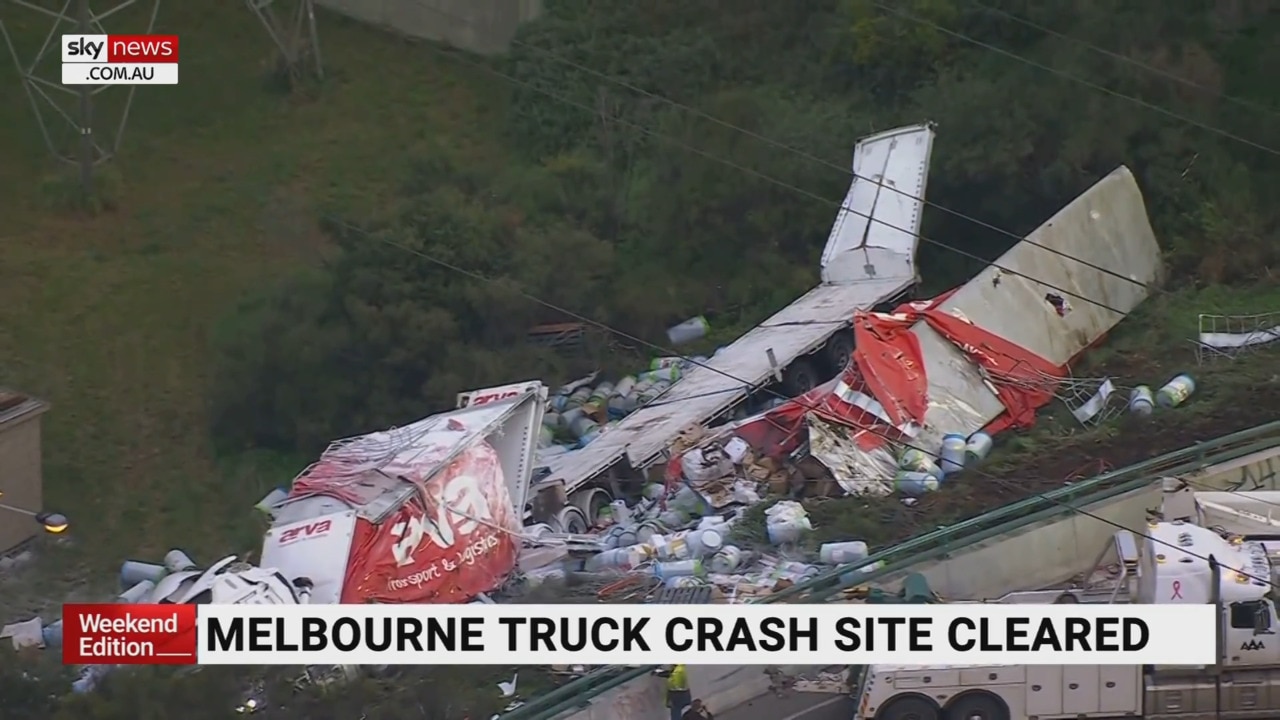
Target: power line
<point>632,338</point>
<point>1074,78</point>
<point>769,178</point>
<point>669,351</point>
<point>820,161</point>
<point>665,351</point>
<point>774,143</point>
<point>1258,107</point>
<point>815,159</point>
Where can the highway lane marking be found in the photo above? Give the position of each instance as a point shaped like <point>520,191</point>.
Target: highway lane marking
<point>819,706</point>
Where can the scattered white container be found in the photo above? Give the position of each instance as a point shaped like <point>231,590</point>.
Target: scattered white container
<point>1176,391</point>
<point>678,568</point>
<point>843,553</point>
<point>952,455</point>
<point>1142,401</point>
<point>977,448</point>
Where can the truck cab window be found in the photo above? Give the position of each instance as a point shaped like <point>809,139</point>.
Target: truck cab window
<point>1252,615</point>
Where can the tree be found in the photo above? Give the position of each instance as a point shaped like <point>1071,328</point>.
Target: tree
<point>628,209</point>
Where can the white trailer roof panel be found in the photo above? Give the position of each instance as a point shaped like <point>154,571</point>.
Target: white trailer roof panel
<point>704,392</point>
<point>865,262</point>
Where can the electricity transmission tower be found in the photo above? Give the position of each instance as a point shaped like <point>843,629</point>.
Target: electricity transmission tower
<point>94,142</point>
<point>296,38</point>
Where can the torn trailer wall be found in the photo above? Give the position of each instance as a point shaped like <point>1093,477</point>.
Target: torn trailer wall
<point>1099,247</point>
<point>986,355</point>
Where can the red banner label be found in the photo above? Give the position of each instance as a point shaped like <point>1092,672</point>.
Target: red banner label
<point>456,543</point>
<point>119,634</point>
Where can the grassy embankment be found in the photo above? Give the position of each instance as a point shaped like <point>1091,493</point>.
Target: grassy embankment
<point>216,192</point>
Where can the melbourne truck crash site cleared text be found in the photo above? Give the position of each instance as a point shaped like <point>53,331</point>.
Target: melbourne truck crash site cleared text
<point>472,634</point>
<point>452,635</point>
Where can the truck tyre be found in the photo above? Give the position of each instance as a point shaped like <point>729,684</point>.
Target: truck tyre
<point>977,706</point>
<point>573,521</point>
<point>838,351</point>
<point>799,377</point>
<point>910,708</point>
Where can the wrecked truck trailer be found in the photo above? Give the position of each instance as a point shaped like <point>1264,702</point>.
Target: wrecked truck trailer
<point>425,513</point>
<point>869,261</point>
<point>985,356</point>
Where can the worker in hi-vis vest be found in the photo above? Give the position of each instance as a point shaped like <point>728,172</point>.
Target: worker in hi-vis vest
<point>678,695</point>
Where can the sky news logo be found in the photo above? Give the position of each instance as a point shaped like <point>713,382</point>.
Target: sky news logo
<point>119,59</point>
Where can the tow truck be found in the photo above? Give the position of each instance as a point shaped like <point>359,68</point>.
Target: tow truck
<point>1199,547</point>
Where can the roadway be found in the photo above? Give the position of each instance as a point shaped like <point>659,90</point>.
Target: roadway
<point>796,706</point>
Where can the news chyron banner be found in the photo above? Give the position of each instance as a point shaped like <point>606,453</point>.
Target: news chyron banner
<point>119,59</point>
<point>913,635</point>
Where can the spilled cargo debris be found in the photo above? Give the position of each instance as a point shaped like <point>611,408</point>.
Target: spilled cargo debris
<point>984,357</point>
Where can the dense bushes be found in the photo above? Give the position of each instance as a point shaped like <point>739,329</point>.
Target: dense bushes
<point>610,221</point>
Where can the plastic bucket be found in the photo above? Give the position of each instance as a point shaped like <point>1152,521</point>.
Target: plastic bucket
<point>688,331</point>
<point>727,560</point>
<point>678,568</point>
<point>617,558</point>
<point>951,459</point>
<point>1176,391</point>
<point>133,572</point>
<point>624,386</point>
<point>684,581</point>
<point>977,448</point>
<point>915,483</point>
<point>137,593</point>
<point>177,561</point>
<point>786,532</point>
<point>917,460</point>
<point>843,553</point>
<point>1142,401</point>
<point>704,542</point>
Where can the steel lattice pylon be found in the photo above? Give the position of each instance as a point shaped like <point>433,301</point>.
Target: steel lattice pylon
<point>44,93</point>
<point>296,39</point>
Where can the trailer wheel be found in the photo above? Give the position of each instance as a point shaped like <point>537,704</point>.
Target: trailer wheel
<point>591,502</point>
<point>838,351</point>
<point>911,707</point>
<point>573,521</point>
<point>977,706</point>
<point>799,377</point>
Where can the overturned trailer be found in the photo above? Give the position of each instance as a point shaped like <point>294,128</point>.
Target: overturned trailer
<point>986,355</point>
<point>428,512</point>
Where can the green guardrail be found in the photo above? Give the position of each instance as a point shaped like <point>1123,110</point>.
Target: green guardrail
<point>944,541</point>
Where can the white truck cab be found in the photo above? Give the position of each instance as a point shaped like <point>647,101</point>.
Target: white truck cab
<point>1169,564</point>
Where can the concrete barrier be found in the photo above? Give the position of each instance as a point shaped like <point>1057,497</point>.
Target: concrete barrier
<point>480,26</point>
<point>1042,554</point>
<point>1057,549</point>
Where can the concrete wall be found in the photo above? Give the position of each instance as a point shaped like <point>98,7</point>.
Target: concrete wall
<point>21,478</point>
<point>1055,550</point>
<point>481,26</point>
